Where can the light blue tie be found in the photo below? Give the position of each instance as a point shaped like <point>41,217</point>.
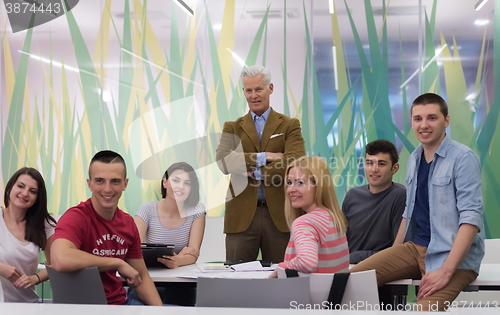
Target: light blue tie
<point>260,122</point>
<point>259,125</point>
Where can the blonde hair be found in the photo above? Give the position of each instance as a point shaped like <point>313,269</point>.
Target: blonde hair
<point>317,171</point>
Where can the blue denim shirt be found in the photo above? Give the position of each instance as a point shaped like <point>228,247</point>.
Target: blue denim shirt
<point>455,197</point>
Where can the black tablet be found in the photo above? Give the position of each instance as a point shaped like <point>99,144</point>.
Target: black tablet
<point>151,253</point>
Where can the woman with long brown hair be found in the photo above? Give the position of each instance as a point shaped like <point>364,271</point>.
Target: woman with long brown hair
<point>25,228</point>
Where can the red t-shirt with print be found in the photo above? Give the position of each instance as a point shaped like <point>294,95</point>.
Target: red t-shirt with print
<point>89,232</point>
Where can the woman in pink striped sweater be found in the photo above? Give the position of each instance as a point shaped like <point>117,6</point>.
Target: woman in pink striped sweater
<point>317,242</point>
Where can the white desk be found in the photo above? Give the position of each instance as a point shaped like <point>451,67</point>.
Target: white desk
<point>401,282</point>
<point>63,309</point>
<point>488,278</point>
<point>172,275</point>
<point>190,273</point>
<point>475,311</point>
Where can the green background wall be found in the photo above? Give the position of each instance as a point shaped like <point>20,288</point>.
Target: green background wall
<point>144,79</point>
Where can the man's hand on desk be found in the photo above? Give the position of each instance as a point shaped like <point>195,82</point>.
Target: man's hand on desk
<point>130,274</point>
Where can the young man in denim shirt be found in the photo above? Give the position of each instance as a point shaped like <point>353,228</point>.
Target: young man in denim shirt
<point>441,238</point>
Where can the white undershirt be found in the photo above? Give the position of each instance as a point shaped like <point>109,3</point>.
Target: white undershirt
<point>22,255</point>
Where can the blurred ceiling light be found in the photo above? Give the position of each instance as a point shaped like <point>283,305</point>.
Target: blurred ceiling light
<point>160,67</point>
<point>184,7</point>
<point>437,52</point>
<point>217,26</point>
<point>106,96</point>
<point>70,68</point>
<point>335,73</point>
<point>471,97</point>
<point>480,4</point>
<point>481,22</point>
<point>331,7</point>
<point>52,62</point>
<point>237,58</point>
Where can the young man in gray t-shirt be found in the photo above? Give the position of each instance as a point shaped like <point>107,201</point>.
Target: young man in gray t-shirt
<point>374,211</point>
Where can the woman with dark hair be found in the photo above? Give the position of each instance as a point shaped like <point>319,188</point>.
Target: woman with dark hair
<point>178,219</point>
<point>25,228</point>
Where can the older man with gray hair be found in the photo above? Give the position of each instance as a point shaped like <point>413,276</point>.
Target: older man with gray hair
<point>256,149</point>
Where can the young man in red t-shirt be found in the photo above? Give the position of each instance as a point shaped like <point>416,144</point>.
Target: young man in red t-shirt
<point>97,233</point>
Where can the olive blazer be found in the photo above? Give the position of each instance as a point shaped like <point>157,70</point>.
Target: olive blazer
<point>237,155</point>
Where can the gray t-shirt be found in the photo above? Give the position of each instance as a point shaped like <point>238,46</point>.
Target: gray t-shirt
<point>373,219</point>
<point>159,234</point>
